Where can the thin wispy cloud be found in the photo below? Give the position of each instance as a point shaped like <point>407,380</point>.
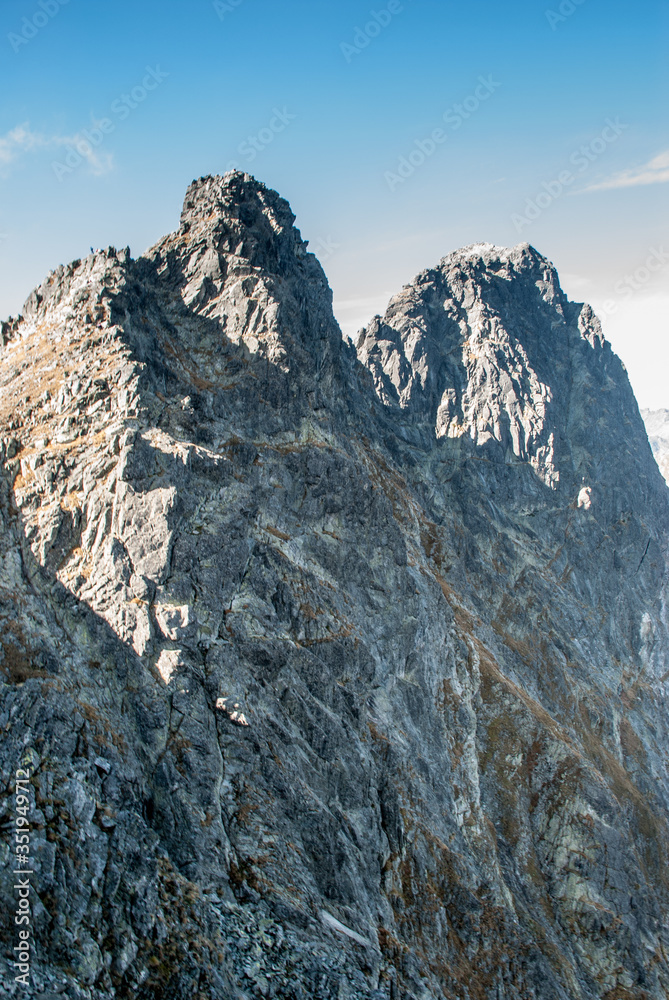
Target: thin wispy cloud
<point>17,141</point>
<point>656,171</point>
<point>22,140</point>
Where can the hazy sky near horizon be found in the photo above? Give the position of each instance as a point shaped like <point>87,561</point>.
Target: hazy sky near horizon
<point>398,131</point>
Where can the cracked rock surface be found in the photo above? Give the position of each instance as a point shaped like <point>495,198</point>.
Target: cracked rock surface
<point>340,671</point>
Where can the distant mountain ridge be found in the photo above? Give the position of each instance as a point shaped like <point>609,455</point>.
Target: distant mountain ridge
<point>657,425</point>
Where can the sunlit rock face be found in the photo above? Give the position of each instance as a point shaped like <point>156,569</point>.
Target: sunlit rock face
<point>657,425</point>
<point>342,672</point>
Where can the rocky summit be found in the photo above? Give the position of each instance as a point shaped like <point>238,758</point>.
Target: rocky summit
<point>338,671</point>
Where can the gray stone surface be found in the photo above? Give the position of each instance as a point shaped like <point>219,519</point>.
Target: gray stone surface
<point>342,672</point>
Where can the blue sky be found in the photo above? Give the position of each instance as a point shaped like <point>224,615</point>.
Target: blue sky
<point>337,105</point>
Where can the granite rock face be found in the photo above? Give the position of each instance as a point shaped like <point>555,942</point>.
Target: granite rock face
<point>657,425</point>
<point>340,672</point>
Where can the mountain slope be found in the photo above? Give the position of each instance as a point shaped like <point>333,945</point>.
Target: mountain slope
<point>361,692</point>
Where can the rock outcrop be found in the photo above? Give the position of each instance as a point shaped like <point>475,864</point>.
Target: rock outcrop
<point>339,672</point>
<point>657,425</point>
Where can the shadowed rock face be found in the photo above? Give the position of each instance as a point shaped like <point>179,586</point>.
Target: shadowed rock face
<point>341,673</point>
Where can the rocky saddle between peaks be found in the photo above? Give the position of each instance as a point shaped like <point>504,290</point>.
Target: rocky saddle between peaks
<point>339,672</point>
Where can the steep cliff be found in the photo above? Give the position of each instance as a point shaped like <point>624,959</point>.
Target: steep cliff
<point>341,672</point>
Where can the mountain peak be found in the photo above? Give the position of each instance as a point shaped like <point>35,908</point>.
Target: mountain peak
<point>657,426</point>
<point>237,215</point>
<point>492,251</point>
<point>486,349</point>
<point>238,260</point>
<point>235,196</point>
